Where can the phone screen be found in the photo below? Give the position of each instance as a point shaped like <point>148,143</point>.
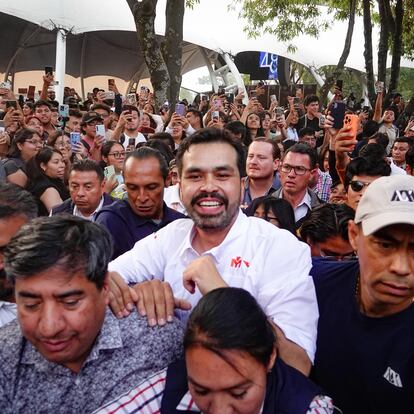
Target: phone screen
<point>338,113</point>
<point>48,70</point>
<point>180,109</point>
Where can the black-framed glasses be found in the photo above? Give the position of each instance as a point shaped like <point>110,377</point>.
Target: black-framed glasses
<point>117,154</point>
<point>299,170</point>
<point>357,185</point>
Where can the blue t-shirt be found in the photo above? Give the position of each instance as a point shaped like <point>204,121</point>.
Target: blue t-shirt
<point>365,364</point>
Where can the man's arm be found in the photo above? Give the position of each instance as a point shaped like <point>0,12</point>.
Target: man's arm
<point>378,108</point>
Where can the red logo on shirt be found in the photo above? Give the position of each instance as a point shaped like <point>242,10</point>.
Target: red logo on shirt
<point>238,261</point>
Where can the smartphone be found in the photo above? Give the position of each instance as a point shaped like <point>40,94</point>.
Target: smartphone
<point>230,97</point>
<point>100,130</point>
<point>48,70</point>
<point>253,93</point>
<point>109,171</point>
<point>221,91</point>
<point>273,98</point>
<point>338,113</point>
<point>204,97</point>
<point>352,121</point>
<point>5,85</point>
<point>109,95</point>
<point>322,120</point>
<point>379,87</point>
<point>64,111</point>
<point>75,138</point>
<point>111,82</point>
<point>131,99</point>
<point>296,102</point>
<point>215,115</point>
<point>2,128</point>
<point>339,84</point>
<point>131,142</point>
<point>11,104</point>
<point>180,109</point>
<point>279,111</point>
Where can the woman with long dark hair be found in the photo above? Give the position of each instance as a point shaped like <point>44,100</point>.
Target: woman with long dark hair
<point>46,172</point>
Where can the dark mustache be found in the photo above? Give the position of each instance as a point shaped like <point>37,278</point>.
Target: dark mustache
<point>200,196</point>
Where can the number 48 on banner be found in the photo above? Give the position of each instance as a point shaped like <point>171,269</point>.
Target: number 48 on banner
<point>269,60</point>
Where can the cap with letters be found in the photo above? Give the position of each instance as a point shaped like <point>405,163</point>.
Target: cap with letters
<point>386,201</point>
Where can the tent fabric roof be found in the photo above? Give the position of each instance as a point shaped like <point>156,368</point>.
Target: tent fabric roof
<point>111,46</point>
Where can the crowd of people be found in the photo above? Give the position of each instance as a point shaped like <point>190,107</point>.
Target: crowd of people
<point>213,257</point>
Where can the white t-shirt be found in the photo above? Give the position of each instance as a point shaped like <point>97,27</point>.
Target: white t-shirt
<point>173,200</point>
<point>267,261</point>
<point>138,138</point>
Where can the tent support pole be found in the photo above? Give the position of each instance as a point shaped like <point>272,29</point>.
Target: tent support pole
<point>82,63</point>
<point>60,67</point>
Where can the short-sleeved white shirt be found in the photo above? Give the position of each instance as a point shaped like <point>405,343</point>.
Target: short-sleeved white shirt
<point>268,262</point>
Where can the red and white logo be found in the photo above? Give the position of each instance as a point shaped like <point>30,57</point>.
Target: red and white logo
<point>237,262</point>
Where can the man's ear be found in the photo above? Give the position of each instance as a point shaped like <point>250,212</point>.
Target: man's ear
<point>353,234</point>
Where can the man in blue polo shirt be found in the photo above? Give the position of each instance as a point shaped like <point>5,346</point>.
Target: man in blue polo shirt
<point>145,172</point>
<point>365,345</point>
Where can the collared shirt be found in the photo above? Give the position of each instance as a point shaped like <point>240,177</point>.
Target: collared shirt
<point>247,199</point>
<point>8,312</point>
<point>267,261</point>
<point>125,352</point>
<point>173,200</point>
<point>147,397</point>
<point>76,211</point>
<point>303,207</point>
<point>126,227</point>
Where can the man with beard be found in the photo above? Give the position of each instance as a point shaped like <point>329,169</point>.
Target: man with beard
<point>219,247</point>
<point>17,207</point>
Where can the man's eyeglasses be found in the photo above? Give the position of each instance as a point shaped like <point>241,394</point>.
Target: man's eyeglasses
<point>357,185</point>
<point>35,142</point>
<point>117,154</point>
<point>299,170</point>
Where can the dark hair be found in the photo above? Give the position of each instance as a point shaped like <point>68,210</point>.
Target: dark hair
<point>237,127</point>
<point>371,166</point>
<point>198,114</point>
<point>14,201</point>
<point>370,129</point>
<point>159,145</point>
<point>309,99</point>
<point>163,136</point>
<point>51,141</point>
<point>373,150</point>
<point>29,105</point>
<point>306,131</point>
<point>288,143</point>
<point>260,131</point>
<point>230,319</point>
<point>131,108</point>
<point>210,136</point>
<point>409,157</point>
<point>75,112</point>
<point>325,221</point>
<point>63,240</point>
<point>103,106</point>
<point>305,149</point>
<point>41,102</point>
<point>382,139</point>
<point>34,169</point>
<point>23,135</point>
<point>321,158</point>
<point>281,208</point>
<point>87,166</point>
<point>273,143</point>
<point>106,148</point>
<point>404,140</point>
<point>147,152</point>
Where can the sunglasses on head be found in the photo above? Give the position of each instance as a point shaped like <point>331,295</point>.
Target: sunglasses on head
<point>357,185</point>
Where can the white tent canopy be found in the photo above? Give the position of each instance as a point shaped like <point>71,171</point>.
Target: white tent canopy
<point>109,29</point>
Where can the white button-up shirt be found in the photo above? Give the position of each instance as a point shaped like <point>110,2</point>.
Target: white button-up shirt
<point>8,312</point>
<point>267,261</point>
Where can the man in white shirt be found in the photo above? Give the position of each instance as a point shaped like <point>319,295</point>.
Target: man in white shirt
<point>127,128</point>
<point>220,247</point>
<point>17,207</point>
